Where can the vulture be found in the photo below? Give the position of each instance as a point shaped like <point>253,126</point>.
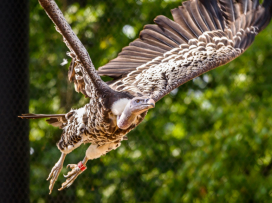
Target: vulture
<point>203,35</point>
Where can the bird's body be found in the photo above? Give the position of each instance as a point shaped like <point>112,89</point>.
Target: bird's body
<point>90,125</point>
<point>205,34</point>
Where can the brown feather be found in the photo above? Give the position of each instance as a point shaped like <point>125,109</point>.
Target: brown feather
<point>228,9</point>
<point>139,43</point>
<point>134,54</point>
<point>139,49</point>
<point>71,71</point>
<point>170,35</point>
<point>182,17</point>
<point>151,35</point>
<point>174,27</point>
<point>206,16</point>
<point>214,12</point>
<point>120,65</point>
<point>37,116</point>
<point>187,14</point>
<point>244,6</point>
<point>198,19</point>
<point>129,60</point>
<point>149,40</point>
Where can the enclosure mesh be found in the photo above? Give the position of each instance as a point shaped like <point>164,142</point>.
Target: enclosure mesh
<point>14,144</point>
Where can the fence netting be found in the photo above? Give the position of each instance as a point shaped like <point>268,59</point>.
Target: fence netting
<point>14,147</point>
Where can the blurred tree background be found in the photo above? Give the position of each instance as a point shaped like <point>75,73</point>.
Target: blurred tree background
<point>208,141</point>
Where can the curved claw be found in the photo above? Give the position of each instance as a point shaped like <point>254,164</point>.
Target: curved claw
<point>71,176</point>
<point>71,166</point>
<point>54,174</point>
<point>74,170</point>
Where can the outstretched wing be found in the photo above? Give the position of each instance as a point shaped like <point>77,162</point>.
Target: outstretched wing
<point>205,34</point>
<point>81,71</point>
<point>76,72</point>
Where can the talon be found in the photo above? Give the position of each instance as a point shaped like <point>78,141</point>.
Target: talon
<point>54,174</point>
<point>72,175</point>
<point>71,166</point>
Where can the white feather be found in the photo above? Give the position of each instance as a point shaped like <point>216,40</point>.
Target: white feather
<point>64,62</point>
<point>70,148</point>
<point>94,151</point>
<point>80,114</point>
<point>118,107</point>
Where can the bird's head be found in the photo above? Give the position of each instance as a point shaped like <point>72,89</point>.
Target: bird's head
<point>139,105</point>
<point>133,108</point>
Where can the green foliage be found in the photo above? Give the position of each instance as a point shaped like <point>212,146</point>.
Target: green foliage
<point>209,141</point>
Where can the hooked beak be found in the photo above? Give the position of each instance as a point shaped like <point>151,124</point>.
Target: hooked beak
<point>151,102</point>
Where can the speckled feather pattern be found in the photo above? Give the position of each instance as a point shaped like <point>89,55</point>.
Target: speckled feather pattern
<point>179,66</point>
<point>194,43</point>
<point>93,125</point>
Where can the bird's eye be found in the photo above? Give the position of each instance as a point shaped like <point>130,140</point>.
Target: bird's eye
<point>137,101</point>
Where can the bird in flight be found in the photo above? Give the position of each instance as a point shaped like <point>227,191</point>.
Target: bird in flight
<point>203,35</point>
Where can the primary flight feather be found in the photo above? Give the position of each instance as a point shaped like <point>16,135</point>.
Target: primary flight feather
<point>203,35</point>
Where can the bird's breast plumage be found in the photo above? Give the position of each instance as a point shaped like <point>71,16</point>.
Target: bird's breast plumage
<point>93,124</point>
<point>102,126</point>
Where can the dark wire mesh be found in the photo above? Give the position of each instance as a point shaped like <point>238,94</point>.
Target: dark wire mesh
<point>14,144</point>
<point>208,141</point>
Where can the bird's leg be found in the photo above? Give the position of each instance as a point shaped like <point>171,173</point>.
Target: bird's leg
<point>54,174</point>
<point>93,152</point>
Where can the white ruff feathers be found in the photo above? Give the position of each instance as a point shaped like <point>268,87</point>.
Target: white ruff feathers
<point>118,107</point>
<point>80,112</point>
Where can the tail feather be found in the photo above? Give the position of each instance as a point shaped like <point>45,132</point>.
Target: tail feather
<point>36,116</point>
<point>56,120</point>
